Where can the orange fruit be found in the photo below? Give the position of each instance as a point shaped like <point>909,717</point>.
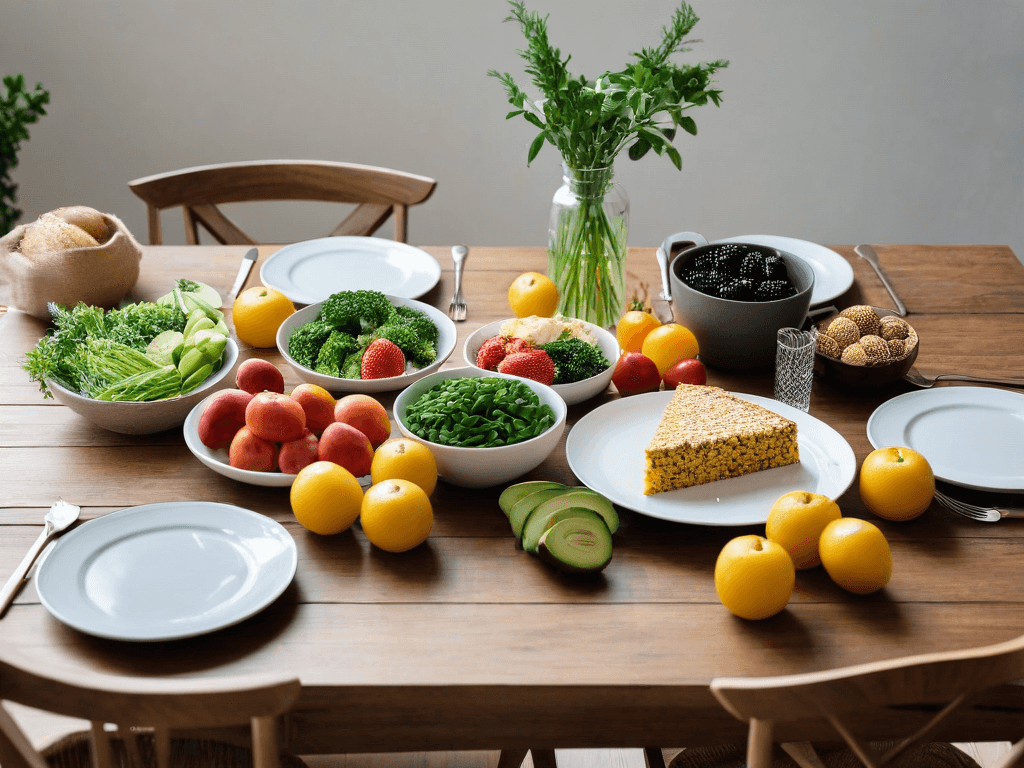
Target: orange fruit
<point>796,521</point>
<point>856,555</point>
<point>754,577</point>
<point>896,483</point>
<point>396,515</point>
<point>405,459</point>
<point>668,344</point>
<point>632,329</point>
<point>533,294</point>
<point>326,498</point>
<point>257,314</point>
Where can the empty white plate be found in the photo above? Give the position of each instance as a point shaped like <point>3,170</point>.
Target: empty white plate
<point>310,271</point>
<point>166,571</point>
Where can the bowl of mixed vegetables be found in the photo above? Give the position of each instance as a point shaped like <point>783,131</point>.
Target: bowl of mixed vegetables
<point>139,368</point>
<point>325,343</point>
<point>484,428</point>
<point>582,354</point>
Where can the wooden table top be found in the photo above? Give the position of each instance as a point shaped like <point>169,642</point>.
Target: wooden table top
<point>470,643</point>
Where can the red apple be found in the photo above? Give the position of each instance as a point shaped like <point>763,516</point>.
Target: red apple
<point>690,370</point>
<point>635,373</point>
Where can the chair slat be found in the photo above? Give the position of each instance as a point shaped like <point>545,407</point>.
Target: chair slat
<point>364,220</point>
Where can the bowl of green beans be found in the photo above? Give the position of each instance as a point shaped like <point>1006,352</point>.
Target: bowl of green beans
<point>484,428</point>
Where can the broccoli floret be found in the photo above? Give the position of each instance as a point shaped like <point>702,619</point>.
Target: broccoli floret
<point>334,353</point>
<point>575,360</point>
<point>350,369</point>
<point>306,341</point>
<point>419,322</point>
<point>417,350</point>
<point>355,311</point>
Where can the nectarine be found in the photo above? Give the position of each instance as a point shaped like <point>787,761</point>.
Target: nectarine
<point>223,416</point>
<point>346,446</point>
<point>365,414</point>
<point>275,417</point>
<point>256,375</point>
<point>250,452</point>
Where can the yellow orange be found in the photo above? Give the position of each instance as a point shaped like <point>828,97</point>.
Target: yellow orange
<point>533,294</point>
<point>326,498</point>
<point>405,459</point>
<point>796,521</point>
<point>667,344</point>
<point>396,515</point>
<point>856,555</point>
<point>754,577</point>
<point>896,483</point>
<point>257,314</point>
<point>632,329</point>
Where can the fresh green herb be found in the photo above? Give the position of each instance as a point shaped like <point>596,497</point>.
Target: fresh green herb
<point>187,285</point>
<point>333,353</point>
<point>479,412</point>
<point>575,359</point>
<point>160,384</point>
<point>19,107</point>
<point>135,325</point>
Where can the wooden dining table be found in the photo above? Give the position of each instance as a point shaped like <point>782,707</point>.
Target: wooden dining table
<point>467,642</point>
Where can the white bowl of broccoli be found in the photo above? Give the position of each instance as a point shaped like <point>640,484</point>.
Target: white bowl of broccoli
<point>323,342</point>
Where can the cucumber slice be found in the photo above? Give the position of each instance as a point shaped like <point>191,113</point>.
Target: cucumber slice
<point>539,522</point>
<point>521,509</point>
<point>514,493</point>
<point>207,294</point>
<point>162,348</point>
<point>577,545</point>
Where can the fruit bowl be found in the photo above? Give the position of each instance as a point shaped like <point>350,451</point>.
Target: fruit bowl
<point>145,418</point>
<point>865,375</point>
<point>573,393</point>
<point>335,385</point>
<point>484,467</point>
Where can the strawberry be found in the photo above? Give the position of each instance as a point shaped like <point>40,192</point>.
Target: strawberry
<point>491,353</point>
<point>535,364</point>
<point>517,345</point>
<point>381,360</point>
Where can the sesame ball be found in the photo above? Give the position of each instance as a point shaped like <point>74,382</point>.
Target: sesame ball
<point>865,318</point>
<point>893,328</point>
<point>844,331</point>
<point>829,346</point>
<point>876,348</point>
<point>855,355</point>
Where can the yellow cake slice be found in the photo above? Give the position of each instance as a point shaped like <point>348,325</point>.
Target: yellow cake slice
<point>708,434</point>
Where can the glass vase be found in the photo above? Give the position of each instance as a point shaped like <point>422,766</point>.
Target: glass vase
<point>587,245</point>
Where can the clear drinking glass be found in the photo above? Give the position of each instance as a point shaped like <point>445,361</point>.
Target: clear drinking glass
<point>794,366</point>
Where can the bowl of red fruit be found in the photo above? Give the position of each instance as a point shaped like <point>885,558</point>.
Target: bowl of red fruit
<point>575,358</point>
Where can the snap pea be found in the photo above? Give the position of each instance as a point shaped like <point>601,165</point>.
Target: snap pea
<point>482,412</point>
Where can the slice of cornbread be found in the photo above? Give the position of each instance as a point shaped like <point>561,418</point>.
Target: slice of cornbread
<point>708,434</point>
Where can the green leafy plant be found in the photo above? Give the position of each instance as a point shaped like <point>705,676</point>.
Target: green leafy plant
<point>19,107</point>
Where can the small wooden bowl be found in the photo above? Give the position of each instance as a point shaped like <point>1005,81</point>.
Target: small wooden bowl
<point>865,375</point>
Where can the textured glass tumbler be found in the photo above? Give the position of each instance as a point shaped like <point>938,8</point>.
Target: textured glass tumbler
<point>794,366</point>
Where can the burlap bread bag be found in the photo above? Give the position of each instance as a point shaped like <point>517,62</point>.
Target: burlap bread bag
<point>100,276</point>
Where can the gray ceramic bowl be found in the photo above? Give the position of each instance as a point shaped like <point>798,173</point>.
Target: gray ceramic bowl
<point>739,335</point>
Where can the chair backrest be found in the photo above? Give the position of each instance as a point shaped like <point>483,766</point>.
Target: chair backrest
<point>378,193</point>
<point>944,683</point>
<point>140,704</point>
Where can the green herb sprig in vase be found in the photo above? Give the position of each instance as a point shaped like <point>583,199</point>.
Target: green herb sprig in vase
<point>590,122</point>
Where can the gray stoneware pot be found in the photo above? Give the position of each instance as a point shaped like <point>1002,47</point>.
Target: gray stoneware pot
<point>735,335</point>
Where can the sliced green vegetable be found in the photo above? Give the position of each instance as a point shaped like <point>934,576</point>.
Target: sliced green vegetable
<point>196,378</point>
<point>160,384</point>
<point>163,348</point>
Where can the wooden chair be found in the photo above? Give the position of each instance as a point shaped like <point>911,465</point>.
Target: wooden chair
<point>941,683</point>
<point>152,708</point>
<point>378,193</point>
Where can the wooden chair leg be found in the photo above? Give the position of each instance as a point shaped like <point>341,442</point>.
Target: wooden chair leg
<point>803,753</point>
<point>1015,757</point>
<point>99,745</point>
<point>512,758</point>
<point>543,758</point>
<point>162,747</point>
<point>759,744</point>
<point>654,757</point>
<point>264,742</point>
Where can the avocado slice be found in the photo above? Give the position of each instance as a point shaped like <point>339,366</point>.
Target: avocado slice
<point>514,493</point>
<point>521,510</point>
<point>577,545</point>
<point>584,497</point>
<point>162,349</point>
<point>538,522</point>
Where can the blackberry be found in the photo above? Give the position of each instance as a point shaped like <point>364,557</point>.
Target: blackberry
<point>773,290</point>
<point>703,262</point>
<point>705,281</point>
<point>739,289</point>
<point>775,269</point>
<point>728,263</point>
<point>753,267</point>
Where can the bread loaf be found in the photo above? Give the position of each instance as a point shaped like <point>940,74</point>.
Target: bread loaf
<point>51,233</point>
<point>87,218</point>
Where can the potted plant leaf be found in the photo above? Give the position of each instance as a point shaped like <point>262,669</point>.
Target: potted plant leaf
<point>19,107</point>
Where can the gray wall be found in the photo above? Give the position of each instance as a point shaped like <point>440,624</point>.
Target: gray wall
<point>874,121</point>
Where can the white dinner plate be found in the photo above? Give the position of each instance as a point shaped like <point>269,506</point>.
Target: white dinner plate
<point>833,274</point>
<point>971,436</point>
<point>166,571</point>
<point>606,452</point>
<point>310,271</point>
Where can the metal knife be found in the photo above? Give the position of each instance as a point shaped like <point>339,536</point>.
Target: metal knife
<point>243,272</point>
<point>867,253</point>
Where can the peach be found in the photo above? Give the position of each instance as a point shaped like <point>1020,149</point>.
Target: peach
<point>347,447</point>
<point>296,454</point>
<point>250,452</point>
<point>275,417</point>
<point>223,417</point>
<point>256,375</point>
<point>318,404</point>
<point>365,414</point>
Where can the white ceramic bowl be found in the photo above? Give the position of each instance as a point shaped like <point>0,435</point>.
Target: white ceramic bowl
<point>334,384</point>
<point>485,467</point>
<point>573,393</point>
<point>145,418</point>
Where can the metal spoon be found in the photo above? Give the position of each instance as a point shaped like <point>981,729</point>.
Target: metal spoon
<point>61,515</point>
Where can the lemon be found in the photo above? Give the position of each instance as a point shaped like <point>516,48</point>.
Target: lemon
<point>326,498</point>
<point>405,459</point>
<point>396,515</point>
<point>533,294</point>
<point>796,521</point>
<point>856,555</point>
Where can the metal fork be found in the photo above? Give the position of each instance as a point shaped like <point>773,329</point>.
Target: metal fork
<point>914,376</point>
<point>457,309</point>
<point>974,512</point>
